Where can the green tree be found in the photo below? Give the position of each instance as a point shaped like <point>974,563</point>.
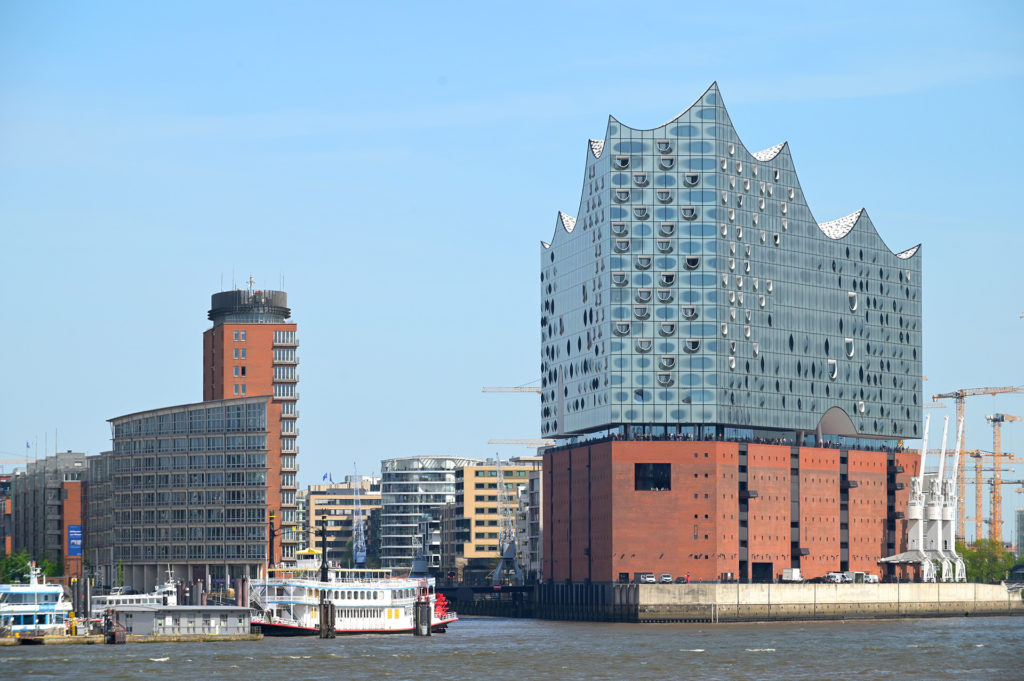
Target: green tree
<point>51,568</point>
<point>14,568</point>
<point>986,561</point>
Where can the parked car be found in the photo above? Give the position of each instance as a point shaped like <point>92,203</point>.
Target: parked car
<point>665,579</point>
<point>648,578</point>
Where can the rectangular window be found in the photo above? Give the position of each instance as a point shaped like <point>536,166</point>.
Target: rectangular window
<point>284,390</point>
<point>243,388</point>
<point>653,476</point>
<point>243,353</point>
<point>236,372</point>
<point>243,335</point>
<point>236,388</point>
<point>236,353</point>
<point>243,371</point>
<point>236,335</point>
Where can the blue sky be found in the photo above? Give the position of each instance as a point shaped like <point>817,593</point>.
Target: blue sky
<point>396,165</point>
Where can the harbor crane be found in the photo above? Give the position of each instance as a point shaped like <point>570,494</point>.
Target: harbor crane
<point>995,530</point>
<point>508,566</point>
<point>961,481</point>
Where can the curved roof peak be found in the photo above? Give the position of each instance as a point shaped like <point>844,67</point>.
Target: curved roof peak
<point>713,88</point>
<point>770,153</point>
<point>596,148</point>
<point>909,253</point>
<point>568,222</point>
<point>837,229</point>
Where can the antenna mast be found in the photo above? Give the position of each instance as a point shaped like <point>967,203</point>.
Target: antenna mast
<point>358,540</point>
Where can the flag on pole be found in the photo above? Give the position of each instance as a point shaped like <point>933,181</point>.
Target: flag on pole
<point>325,477</point>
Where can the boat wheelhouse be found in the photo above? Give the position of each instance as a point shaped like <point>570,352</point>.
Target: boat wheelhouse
<point>33,609</point>
<point>163,595</point>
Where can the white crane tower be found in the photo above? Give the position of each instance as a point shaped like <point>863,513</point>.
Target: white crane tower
<point>931,516</point>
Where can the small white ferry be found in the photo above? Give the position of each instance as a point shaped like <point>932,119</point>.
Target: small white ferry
<point>34,609</point>
<point>366,601</point>
<point>164,594</point>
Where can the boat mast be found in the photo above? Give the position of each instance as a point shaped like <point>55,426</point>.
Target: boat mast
<point>359,539</point>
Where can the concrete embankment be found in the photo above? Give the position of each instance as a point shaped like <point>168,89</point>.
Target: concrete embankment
<point>751,602</point>
<point>134,638</point>
<point>767,602</point>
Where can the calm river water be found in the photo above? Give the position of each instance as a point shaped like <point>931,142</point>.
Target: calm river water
<point>987,648</point>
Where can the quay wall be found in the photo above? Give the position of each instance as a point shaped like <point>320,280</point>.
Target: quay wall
<point>97,639</point>
<point>714,602</point>
<point>765,602</point>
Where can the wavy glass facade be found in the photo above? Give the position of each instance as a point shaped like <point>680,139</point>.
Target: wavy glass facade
<point>694,291</point>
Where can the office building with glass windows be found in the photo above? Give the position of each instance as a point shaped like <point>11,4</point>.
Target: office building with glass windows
<point>207,490</point>
<point>1019,537</point>
<point>188,492</point>
<point>694,298</point>
<point>345,504</point>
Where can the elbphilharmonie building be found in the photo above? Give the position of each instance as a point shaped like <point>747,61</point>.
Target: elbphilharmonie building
<point>694,289</point>
<point>727,378</point>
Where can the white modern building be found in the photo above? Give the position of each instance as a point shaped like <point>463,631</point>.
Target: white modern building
<point>412,487</point>
<point>529,527</point>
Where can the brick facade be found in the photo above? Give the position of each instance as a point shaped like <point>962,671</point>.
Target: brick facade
<point>749,510</point>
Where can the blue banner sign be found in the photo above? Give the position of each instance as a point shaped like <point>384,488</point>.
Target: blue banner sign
<point>74,540</point>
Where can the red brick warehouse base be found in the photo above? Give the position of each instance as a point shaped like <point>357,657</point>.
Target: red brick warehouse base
<point>711,509</point>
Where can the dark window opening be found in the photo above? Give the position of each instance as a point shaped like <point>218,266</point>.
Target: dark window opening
<point>653,477</point>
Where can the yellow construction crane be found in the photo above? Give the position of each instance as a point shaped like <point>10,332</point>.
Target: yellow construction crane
<point>961,479</point>
<point>979,456</point>
<point>997,420</point>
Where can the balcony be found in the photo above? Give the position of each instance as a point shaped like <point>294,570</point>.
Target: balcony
<point>286,344</point>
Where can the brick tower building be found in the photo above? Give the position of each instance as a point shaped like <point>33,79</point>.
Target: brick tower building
<point>251,350</point>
